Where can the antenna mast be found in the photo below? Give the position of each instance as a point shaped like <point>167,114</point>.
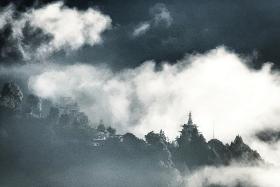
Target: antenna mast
<point>213,130</point>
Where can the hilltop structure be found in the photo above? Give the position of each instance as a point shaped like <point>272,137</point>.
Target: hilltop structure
<point>65,129</point>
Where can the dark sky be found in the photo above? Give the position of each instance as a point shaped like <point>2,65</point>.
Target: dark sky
<point>248,27</point>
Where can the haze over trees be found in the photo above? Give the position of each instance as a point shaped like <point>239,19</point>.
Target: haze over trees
<point>63,148</point>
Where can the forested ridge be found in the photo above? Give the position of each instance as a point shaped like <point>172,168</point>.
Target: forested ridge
<point>61,147</point>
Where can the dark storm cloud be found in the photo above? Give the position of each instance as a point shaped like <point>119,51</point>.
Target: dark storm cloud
<point>246,26</point>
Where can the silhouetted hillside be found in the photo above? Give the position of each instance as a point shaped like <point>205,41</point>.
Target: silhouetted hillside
<point>63,148</point>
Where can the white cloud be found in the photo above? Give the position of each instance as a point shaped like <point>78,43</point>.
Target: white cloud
<point>218,87</point>
<point>230,176</point>
<point>270,152</point>
<point>68,28</point>
<point>99,93</point>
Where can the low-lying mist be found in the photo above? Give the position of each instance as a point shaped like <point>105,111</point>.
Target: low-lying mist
<point>219,87</point>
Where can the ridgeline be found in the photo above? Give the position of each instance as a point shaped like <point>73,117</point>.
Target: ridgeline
<point>63,148</point>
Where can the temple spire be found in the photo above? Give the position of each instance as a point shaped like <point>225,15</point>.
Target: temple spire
<point>190,122</point>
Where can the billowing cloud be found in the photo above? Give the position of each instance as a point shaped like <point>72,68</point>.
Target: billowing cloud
<point>66,28</point>
<point>70,27</point>
<point>217,86</point>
